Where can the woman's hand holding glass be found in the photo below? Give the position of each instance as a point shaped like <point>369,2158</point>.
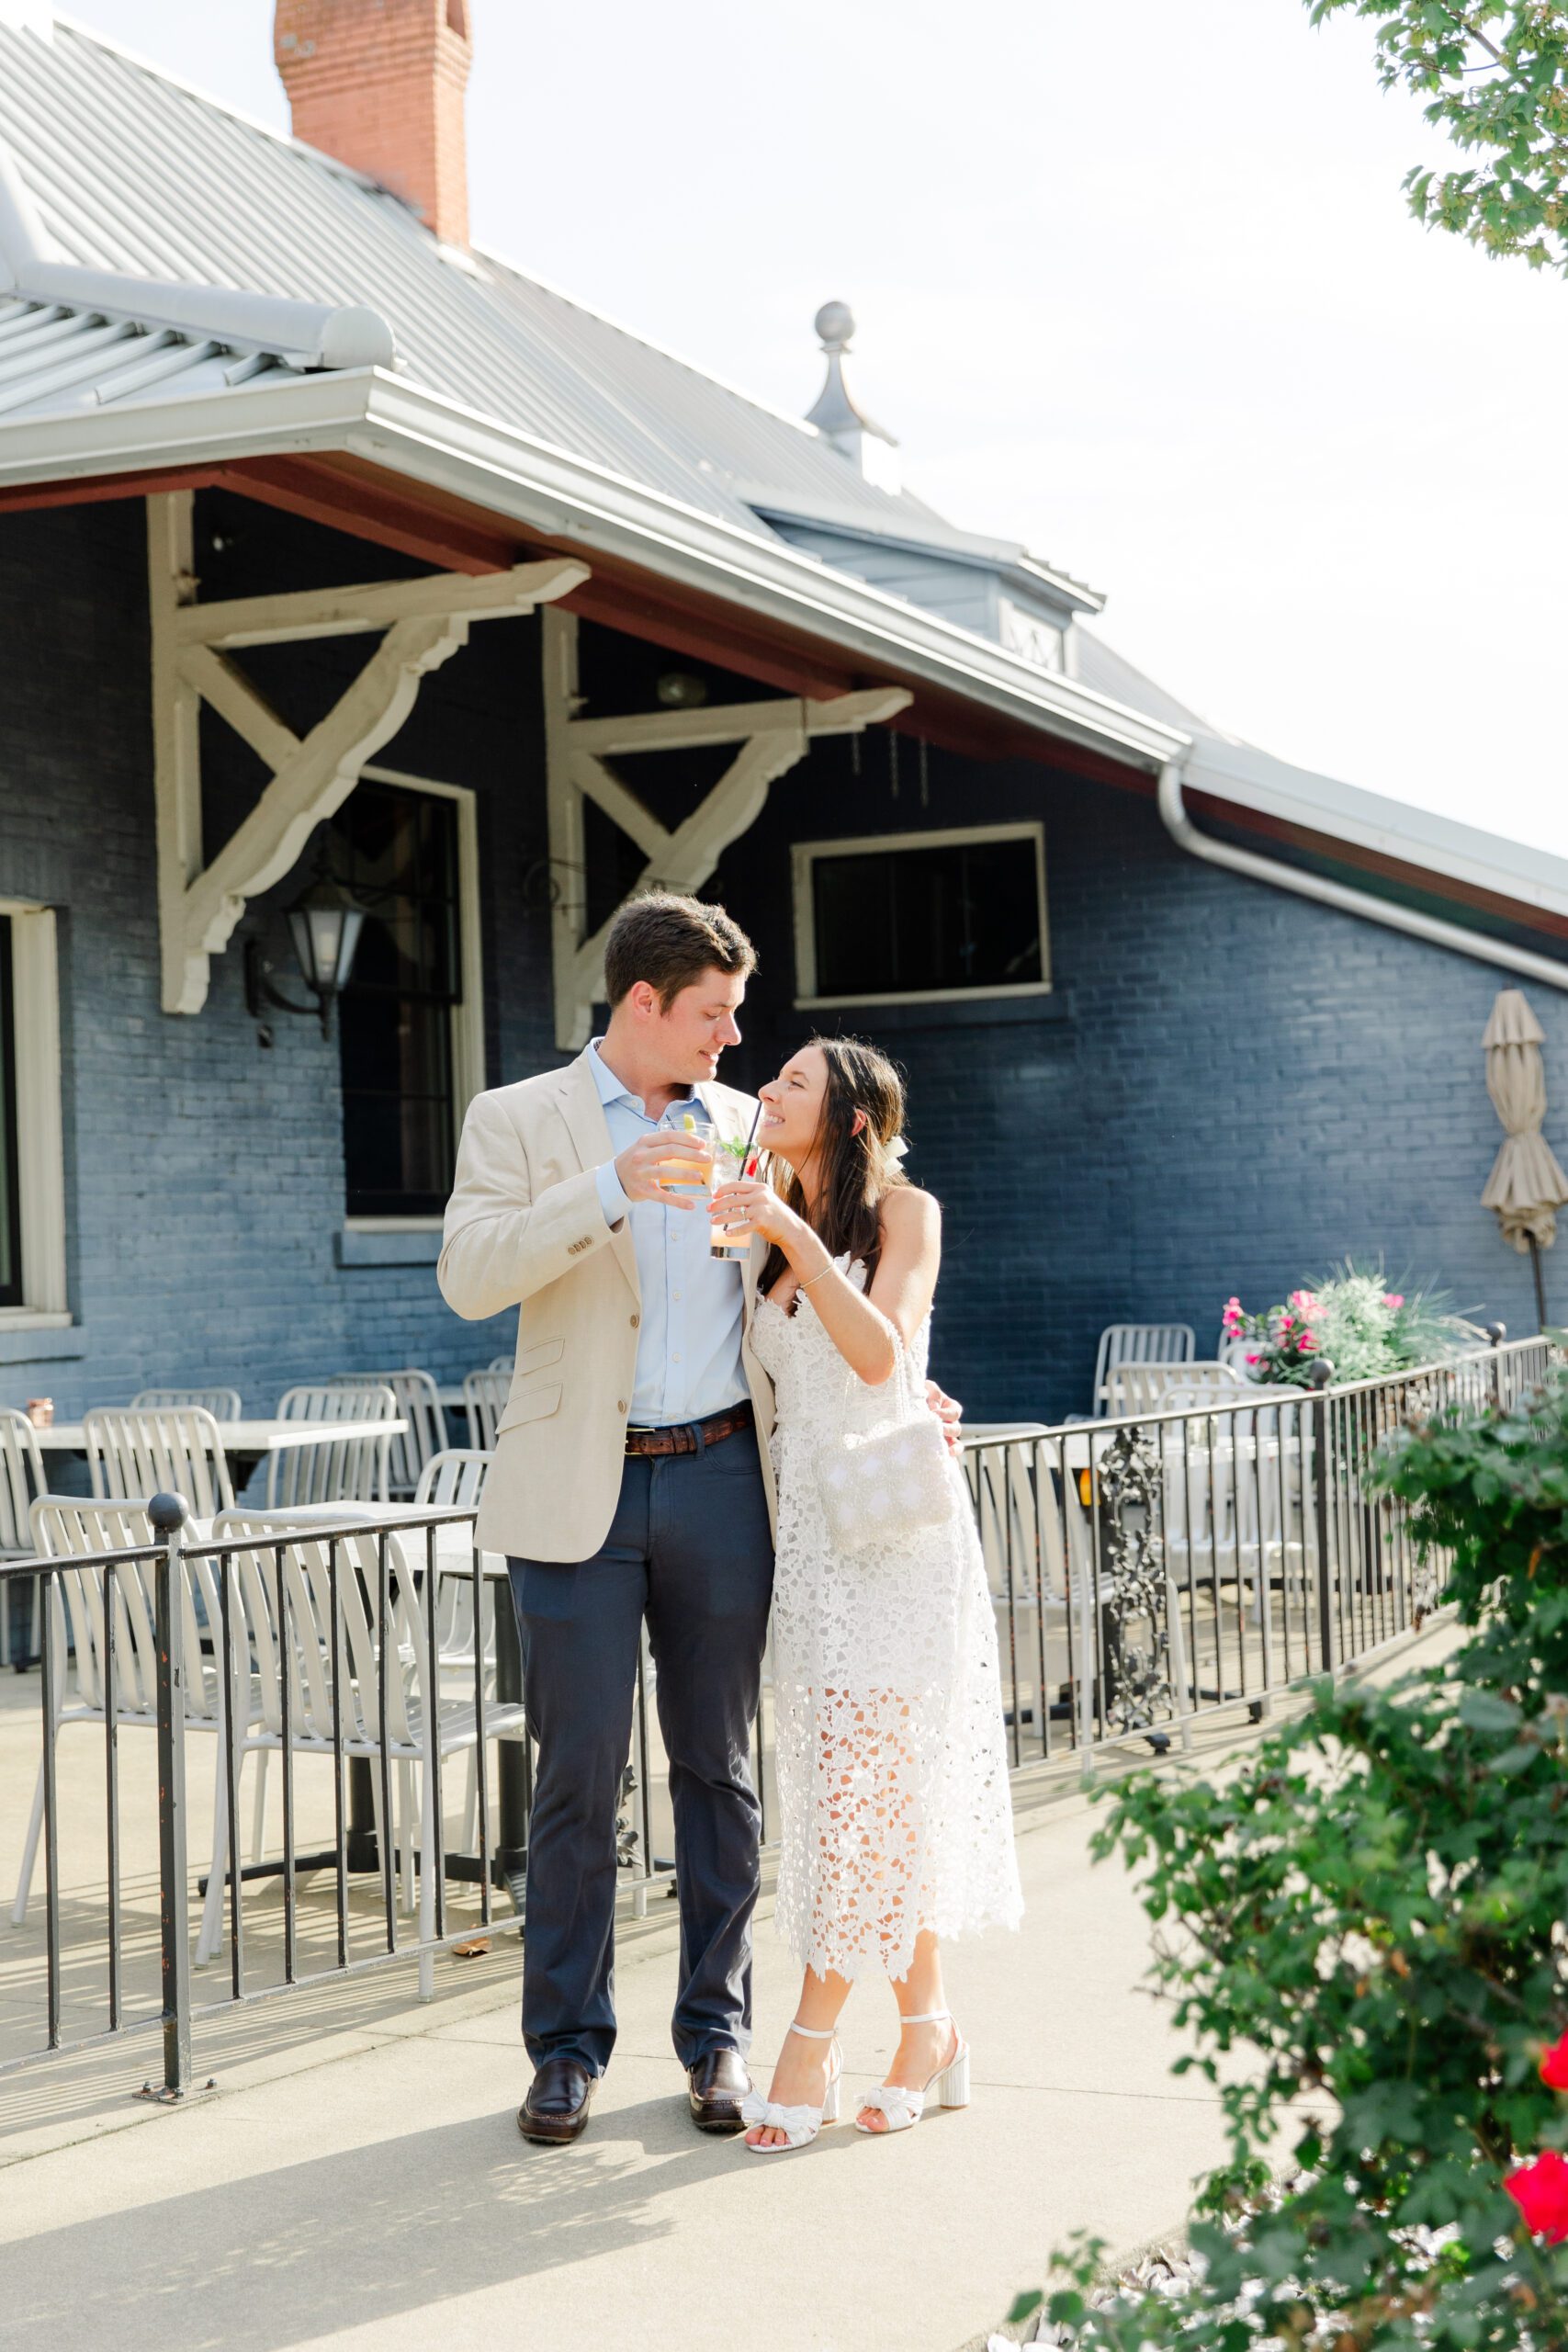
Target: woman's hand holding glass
<point>749,1202</point>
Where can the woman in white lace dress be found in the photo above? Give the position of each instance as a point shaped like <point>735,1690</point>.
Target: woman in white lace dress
<point>893,1789</point>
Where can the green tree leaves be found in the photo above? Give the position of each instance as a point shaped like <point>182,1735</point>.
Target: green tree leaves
<point>1494,76</point>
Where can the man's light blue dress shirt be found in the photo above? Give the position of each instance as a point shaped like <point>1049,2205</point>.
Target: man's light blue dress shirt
<point>688,1352</point>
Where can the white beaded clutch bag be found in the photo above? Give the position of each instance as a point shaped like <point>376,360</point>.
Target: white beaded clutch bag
<point>888,1483</point>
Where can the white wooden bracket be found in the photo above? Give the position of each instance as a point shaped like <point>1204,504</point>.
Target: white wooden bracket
<point>772,736</point>
<point>424,622</point>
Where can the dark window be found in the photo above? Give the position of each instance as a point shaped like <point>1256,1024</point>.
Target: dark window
<point>959,914</point>
<point>10,1188</point>
<point>398,851</point>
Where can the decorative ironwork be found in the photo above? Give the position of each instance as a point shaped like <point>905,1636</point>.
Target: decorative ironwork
<point>1137,1670</point>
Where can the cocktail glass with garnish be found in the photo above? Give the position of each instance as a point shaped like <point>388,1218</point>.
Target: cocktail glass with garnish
<point>733,1164</point>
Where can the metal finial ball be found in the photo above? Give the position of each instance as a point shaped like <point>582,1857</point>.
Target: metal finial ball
<point>835,324</point>
<point>167,1512</point>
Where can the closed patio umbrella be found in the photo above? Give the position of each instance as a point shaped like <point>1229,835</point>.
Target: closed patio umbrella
<point>1526,1187</point>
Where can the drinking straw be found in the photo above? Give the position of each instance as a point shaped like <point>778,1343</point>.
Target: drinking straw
<point>751,1139</point>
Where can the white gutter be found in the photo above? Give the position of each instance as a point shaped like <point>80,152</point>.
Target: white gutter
<point>1431,928</point>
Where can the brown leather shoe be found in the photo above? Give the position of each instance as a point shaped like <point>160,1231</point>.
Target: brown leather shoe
<point>716,2085</point>
<point>556,2108</point>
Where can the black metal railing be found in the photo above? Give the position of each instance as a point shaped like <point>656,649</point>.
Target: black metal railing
<point>1151,1568</point>
<point>1145,1571</point>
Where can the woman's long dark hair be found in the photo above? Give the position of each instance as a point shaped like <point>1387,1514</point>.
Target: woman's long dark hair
<point>855,1169</point>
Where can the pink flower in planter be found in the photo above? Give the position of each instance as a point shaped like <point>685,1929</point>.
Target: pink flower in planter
<point>1254,1359</point>
<point>1554,2066</point>
<point>1305,1338</point>
<point>1286,1321</point>
<point>1393,1299</point>
<point>1541,2192</point>
<point>1304,1299</point>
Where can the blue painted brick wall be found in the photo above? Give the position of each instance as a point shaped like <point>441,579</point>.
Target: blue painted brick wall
<point>1237,1089</point>
<point>205,1176</point>
<point>1231,1088</point>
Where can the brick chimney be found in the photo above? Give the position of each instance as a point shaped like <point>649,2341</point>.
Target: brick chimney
<point>379,85</point>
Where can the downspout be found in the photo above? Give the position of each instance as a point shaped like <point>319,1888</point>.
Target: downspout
<point>1431,928</point>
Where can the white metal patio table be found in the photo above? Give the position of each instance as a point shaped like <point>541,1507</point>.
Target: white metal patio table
<point>245,1443</point>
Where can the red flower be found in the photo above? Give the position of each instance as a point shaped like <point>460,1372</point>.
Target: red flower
<point>1541,2192</point>
<point>1554,2067</point>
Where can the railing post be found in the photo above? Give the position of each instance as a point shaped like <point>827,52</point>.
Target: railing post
<point>1496,1334</point>
<point>1320,1372</point>
<point>168,1515</point>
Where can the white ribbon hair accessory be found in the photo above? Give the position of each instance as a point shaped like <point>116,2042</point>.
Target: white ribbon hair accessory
<point>895,1148</point>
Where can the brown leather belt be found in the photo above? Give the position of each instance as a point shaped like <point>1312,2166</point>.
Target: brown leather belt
<point>691,1437</point>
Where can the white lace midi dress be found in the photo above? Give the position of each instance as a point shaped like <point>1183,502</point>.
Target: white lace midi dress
<point>891,1753</point>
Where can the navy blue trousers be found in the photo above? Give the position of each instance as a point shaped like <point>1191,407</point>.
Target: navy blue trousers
<point>690,1549</point>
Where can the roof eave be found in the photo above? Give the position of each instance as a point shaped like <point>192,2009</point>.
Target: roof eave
<point>412,431</point>
<point>1250,779</point>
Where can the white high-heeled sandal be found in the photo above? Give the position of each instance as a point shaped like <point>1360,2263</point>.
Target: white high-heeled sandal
<point>800,2125</point>
<point>949,2086</point>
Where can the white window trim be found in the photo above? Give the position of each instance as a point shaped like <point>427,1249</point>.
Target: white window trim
<point>803,853</point>
<point>41,1136</point>
<point>469,1017</point>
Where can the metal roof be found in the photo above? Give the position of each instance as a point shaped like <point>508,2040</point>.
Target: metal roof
<point>132,173</point>
<point>53,358</point>
<point>209,290</point>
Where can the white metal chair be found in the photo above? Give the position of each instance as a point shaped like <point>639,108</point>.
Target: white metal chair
<point>419,1723</point>
<point>62,1527</point>
<point>1139,1343</point>
<point>178,1451</point>
<point>22,1481</point>
<point>223,1404</point>
<point>455,1481</point>
<point>484,1399</point>
<point>1149,1387</point>
<point>347,1470</point>
<point>500,1364</point>
<point>419,1404</point>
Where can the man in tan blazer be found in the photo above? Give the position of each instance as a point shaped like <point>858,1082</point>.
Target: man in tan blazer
<point>631,1479</point>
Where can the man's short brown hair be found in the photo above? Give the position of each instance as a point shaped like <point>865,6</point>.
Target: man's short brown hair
<point>670,942</point>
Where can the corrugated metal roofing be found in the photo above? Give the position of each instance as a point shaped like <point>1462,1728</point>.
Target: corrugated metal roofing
<point>1102,667</point>
<point>133,173</point>
<point>53,358</point>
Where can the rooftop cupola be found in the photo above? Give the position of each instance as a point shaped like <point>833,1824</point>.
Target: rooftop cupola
<point>869,447</point>
<point>379,85</point>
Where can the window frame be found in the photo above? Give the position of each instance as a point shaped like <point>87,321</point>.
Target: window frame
<point>41,1127</point>
<point>468,1023</point>
<point>803,856</point>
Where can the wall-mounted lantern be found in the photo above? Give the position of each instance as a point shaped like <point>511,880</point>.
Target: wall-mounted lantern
<point>325,920</point>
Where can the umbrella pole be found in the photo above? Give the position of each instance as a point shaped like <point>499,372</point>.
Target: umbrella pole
<point>1540,1286</point>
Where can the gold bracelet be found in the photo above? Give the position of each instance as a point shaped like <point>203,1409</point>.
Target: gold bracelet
<point>815,1278</point>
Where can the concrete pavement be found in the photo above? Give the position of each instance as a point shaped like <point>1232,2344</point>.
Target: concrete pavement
<point>357,2179</point>
<point>372,2190</point>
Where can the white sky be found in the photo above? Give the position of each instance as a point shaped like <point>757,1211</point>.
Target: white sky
<point>1136,284</point>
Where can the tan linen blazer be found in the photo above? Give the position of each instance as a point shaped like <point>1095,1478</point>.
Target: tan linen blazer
<point>524,1229</point>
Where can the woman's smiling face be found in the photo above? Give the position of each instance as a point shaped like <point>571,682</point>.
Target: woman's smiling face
<point>792,1106</point>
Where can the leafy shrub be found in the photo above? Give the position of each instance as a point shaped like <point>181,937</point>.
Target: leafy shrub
<point>1370,1910</point>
